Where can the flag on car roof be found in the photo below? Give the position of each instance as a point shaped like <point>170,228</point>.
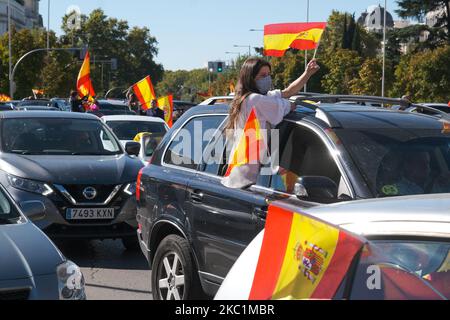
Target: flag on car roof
<point>282,36</point>
<point>250,146</point>
<point>301,257</point>
<point>145,92</point>
<point>166,105</point>
<point>84,83</point>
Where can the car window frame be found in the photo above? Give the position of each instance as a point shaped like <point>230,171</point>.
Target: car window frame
<point>172,138</point>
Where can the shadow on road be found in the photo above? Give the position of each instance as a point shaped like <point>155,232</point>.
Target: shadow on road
<point>107,254</point>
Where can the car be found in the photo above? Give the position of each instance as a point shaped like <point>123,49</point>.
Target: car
<point>32,267</point>
<point>439,106</point>
<point>36,108</point>
<point>34,103</point>
<point>327,154</point>
<point>74,164</point>
<point>112,107</point>
<point>127,128</point>
<point>61,104</point>
<point>6,106</point>
<point>406,238</point>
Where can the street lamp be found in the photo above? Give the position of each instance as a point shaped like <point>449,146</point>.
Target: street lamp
<point>230,52</point>
<point>241,46</point>
<point>48,25</point>
<point>11,89</point>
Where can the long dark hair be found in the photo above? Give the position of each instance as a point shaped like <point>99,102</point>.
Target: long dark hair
<point>245,86</point>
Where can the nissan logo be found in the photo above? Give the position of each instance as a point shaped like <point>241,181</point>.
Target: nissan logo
<point>90,193</point>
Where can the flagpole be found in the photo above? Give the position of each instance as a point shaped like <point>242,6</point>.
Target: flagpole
<point>306,51</point>
<point>318,44</point>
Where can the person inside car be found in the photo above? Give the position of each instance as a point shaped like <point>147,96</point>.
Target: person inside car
<point>155,111</point>
<point>254,91</point>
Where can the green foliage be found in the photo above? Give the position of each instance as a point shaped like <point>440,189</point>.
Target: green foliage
<point>424,75</point>
<point>369,77</point>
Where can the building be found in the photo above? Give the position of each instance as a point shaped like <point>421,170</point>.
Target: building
<point>373,19</point>
<point>432,17</point>
<point>24,14</point>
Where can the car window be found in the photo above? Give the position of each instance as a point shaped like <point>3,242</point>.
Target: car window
<point>302,153</point>
<point>55,136</point>
<point>187,146</point>
<point>127,130</point>
<point>403,269</point>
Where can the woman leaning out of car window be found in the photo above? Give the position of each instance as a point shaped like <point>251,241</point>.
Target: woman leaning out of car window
<point>253,91</point>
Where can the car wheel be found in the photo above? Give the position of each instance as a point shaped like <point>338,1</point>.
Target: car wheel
<point>174,275</point>
<point>131,243</point>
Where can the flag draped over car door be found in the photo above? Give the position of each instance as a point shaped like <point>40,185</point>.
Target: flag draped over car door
<point>145,92</point>
<point>282,36</point>
<point>251,145</point>
<point>301,257</point>
<point>84,83</point>
<point>166,105</point>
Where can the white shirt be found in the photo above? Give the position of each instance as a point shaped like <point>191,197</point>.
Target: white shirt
<point>270,108</point>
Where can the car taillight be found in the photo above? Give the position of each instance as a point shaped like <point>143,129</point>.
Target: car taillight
<point>138,185</point>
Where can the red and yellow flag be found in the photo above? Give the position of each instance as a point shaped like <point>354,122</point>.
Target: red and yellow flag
<point>301,257</point>
<point>166,105</point>
<point>84,83</point>
<point>145,92</point>
<point>4,98</point>
<point>282,36</point>
<point>232,87</point>
<point>250,145</point>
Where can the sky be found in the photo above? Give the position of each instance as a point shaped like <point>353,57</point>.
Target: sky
<point>192,32</point>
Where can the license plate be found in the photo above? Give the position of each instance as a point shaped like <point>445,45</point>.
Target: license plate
<point>90,214</point>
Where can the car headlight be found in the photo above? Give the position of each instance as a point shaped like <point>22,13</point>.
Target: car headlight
<point>130,189</point>
<point>30,185</point>
<point>70,282</point>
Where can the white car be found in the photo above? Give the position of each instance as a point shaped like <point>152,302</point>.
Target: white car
<point>217,100</point>
<point>127,127</point>
<point>409,235</point>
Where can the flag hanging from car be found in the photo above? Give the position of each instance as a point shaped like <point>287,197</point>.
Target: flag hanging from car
<point>84,82</point>
<point>282,36</point>
<point>145,92</point>
<point>251,145</point>
<point>301,257</point>
<point>166,104</point>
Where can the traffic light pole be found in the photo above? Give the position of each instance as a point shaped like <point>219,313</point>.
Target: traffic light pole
<point>12,84</point>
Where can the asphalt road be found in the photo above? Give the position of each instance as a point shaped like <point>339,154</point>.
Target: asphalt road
<point>110,271</point>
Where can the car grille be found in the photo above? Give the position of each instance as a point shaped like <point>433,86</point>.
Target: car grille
<point>14,294</point>
<point>103,193</point>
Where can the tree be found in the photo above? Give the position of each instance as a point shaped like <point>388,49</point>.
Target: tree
<point>343,67</point>
<point>418,9</point>
<point>424,75</point>
<point>369,77</point>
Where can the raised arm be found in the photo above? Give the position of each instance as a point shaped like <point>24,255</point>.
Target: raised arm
<point>298,84</point>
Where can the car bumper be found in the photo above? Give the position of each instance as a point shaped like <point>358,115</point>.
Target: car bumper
<point>55,224</point>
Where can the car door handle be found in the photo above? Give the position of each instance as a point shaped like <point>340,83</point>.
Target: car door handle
<point>197,197</point>
<point>260,212</point>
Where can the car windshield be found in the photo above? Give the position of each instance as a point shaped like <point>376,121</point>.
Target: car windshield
<point>398,162</point>
<point>127,130</point>
<point>7,211</point>
<point>55,136</point>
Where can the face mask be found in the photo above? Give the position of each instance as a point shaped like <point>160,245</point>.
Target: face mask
<point>264,85</point>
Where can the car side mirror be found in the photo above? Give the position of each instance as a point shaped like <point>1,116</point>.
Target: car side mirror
<point>133,148</point>
<point>34,210</point>
<point>316,188</point>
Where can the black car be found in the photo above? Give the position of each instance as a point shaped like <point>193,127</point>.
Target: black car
<point>112,108</point>
<point>76,166</point>
<point>192,228</point>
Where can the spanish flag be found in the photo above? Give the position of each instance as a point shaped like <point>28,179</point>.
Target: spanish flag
<point>301,257</point>
<point>282,36</point>
<point>145,92</point>
<point>166,105</point>
<point>4,98</point>
<point>84,83</point>
<point>250,146</point>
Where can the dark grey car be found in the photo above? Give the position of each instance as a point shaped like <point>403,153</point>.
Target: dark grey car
<point>75,165</point>
<point>31,267</point>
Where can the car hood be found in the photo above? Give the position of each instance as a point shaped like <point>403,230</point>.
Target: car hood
<point>73,169</point>
<point>26,252</point>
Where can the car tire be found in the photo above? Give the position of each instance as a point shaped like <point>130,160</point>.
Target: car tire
<point>174,254</point>
<point>131,243</point>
